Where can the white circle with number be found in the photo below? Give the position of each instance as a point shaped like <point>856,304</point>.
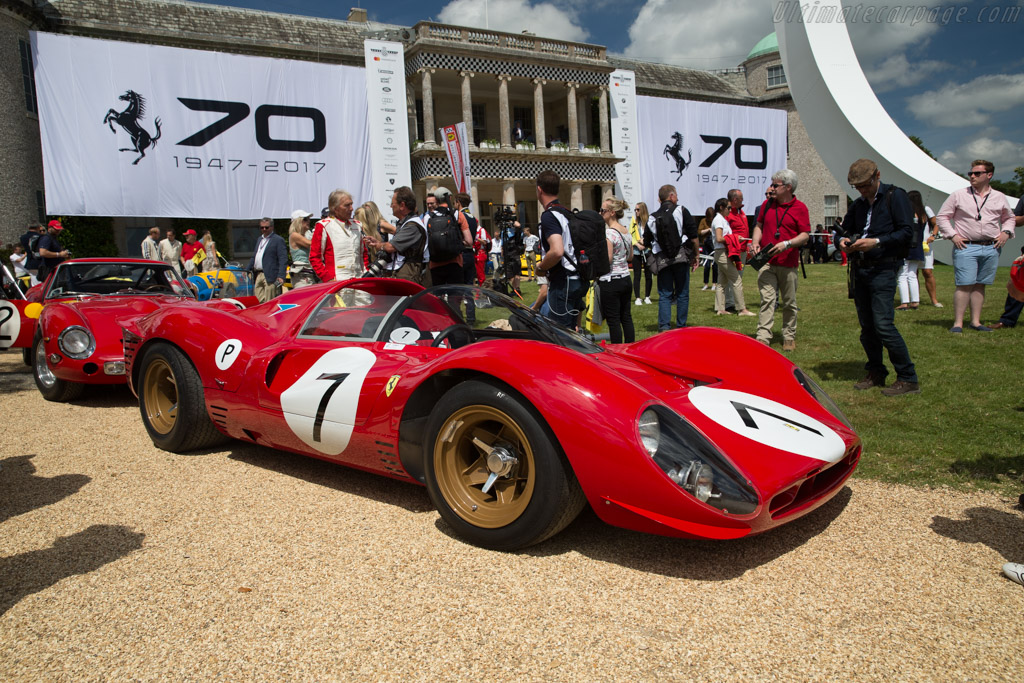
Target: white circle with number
<point>320,407</point>
<point>769,423</point>
<point>10,324</point>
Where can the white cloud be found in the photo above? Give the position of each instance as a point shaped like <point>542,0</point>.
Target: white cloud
<point>1005,154</point>
<point>899,72</point>
<point>515,16</point>
<point>971,103</point>
<point>696,34</point>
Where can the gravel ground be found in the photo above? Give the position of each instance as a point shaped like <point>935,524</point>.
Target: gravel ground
<point>120,561</point>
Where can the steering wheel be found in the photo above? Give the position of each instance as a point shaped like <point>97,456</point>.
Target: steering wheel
<point>451,329</point>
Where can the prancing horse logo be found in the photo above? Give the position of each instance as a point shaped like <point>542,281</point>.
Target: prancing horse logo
<point>129,120</point>
<point>674,151</point>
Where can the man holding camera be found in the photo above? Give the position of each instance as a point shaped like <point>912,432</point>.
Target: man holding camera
<point>878,231</point>
<point>406,247</point>
<point>783,226</point>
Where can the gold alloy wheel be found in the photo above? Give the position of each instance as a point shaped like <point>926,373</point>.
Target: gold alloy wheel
<point>484,466</point>
<point>160,390</point>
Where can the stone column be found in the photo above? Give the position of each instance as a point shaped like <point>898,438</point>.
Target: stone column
<point>428,108</point>
<point>583,113</point>
<point>508,192</point>
<point>607,191</point>
<point>576,198</point>
<point>574,130</point>
<point>410,108</point>
<point>467,107</point>
<point>474,197</point>
<point>603,116</point>
<point>538,113</point>
<point>506,127</point>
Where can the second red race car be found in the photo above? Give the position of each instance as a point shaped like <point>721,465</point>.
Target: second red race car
<point>513,424</point>
<point>77,340</point>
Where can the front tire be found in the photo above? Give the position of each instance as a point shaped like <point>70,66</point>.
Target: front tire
<point>482,437</point>
<point>172,403</point>
<point>52,388</point>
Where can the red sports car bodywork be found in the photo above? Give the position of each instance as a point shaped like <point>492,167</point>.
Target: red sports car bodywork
<point>78,337</point>
<point>511,428</point>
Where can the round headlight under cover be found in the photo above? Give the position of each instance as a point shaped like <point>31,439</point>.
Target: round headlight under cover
<point>76,342</point>
<point>650,431</point>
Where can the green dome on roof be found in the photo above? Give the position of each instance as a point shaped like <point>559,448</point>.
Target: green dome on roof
<point>768,44</point>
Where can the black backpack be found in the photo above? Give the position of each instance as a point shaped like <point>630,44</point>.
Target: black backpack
<point>666,231</point>
<point>444,235</point>
<point>589,243</point>
<point>33,246</point>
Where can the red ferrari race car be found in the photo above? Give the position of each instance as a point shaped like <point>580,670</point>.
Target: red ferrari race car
<point>86,301</point>
<point>513,424</point>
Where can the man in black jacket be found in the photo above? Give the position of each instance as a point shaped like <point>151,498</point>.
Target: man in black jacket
<point>877,233</point>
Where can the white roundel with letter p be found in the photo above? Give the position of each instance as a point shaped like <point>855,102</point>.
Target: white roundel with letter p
<point>227,353</point>
<point>769,423</point>
<point>320,407</point>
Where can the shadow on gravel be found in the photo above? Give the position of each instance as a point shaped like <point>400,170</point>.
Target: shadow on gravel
<point>1000,530</point>
<point>21,491</point>
<point>845,370</point>
<point>405,495</point>
<point>682,558</point>
<point>88,550</point>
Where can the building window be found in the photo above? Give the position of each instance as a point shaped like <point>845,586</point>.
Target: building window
<point>419,120</point>
<point>776,76</point>
<point>28,77</point>
<point>479,123</point>
<point>831,210</point>
<point>40,206</point>
<point>523,116</point>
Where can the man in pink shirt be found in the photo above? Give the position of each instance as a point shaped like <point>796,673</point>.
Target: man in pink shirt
<point>979,221</point>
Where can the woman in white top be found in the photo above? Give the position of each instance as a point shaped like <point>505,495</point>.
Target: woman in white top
<point>616,287</point>
<point>727,270</point>
<point>299,234</point>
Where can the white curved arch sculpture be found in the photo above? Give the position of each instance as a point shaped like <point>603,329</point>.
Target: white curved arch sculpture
<point>843,116</point>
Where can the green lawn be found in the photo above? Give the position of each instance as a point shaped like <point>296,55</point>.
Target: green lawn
<point>965,429</point>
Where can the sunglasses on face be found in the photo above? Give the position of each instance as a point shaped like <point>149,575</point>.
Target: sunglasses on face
<point>971,174</point>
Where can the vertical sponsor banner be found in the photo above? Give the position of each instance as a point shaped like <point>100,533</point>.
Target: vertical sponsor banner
<point>622,92</point>
<point>389,131</point>
<point>130,129</point>
<point>454,140</point>
<point>706,149</point>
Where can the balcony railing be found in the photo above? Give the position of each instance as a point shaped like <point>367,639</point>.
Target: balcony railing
<point>512,41</point>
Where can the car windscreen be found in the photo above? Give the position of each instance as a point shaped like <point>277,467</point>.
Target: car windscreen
<point>73,279</point>
<point>350,313</point>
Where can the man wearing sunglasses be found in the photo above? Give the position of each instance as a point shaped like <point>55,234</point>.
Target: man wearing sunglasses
<point>979,221</point>
<point>783,226</point>
<point>878,230</point>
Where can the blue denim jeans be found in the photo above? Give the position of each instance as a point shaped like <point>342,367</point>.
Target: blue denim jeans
<point>1011,311</point>
<point>565,301</point>
<point>673,288</point>
<point>873,293</point>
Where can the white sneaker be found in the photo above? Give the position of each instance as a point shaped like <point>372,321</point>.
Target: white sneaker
<point>704,288</point>
<point>647,300</point>
<point>1014,572</point>
<point>638,302</point>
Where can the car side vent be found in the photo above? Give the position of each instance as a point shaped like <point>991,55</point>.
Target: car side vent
<point>273,367</point>
<point>219,414</point>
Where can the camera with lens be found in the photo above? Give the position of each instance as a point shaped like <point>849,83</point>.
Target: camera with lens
<point>379,267</point>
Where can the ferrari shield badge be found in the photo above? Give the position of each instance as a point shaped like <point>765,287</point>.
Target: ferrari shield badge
<point>390,386</point>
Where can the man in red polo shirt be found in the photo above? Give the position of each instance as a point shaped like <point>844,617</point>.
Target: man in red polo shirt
<point>783,226</point>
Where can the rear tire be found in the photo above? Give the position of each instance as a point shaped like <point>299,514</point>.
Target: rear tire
<point>50,386</point>
<point>534,499</point>
<point>172,402</point>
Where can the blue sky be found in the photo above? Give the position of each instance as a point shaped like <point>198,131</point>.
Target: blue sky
<point>950,73</point>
